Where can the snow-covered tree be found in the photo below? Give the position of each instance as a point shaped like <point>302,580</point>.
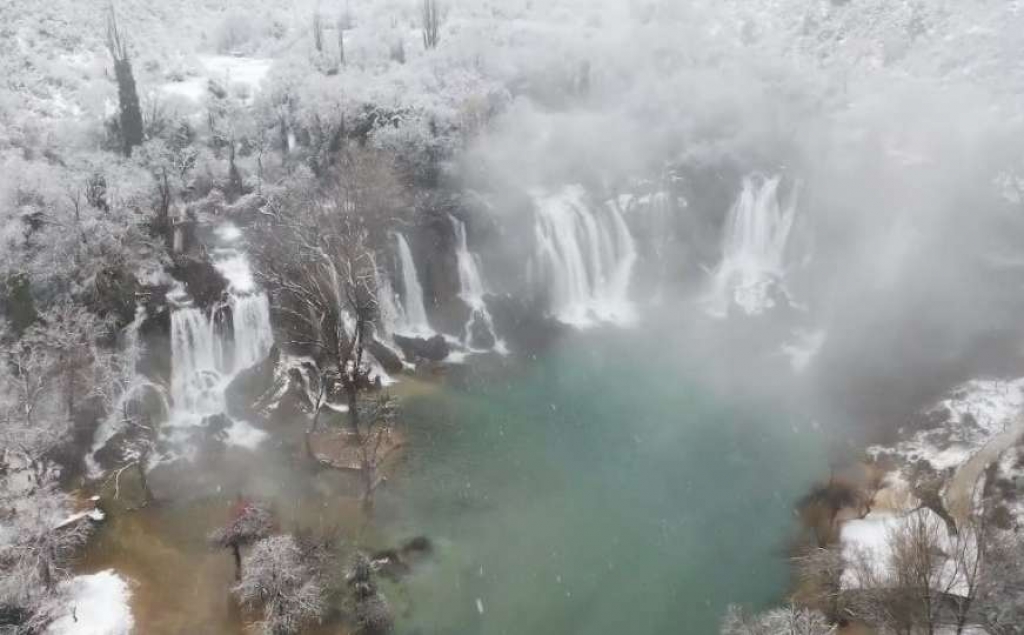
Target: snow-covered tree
<point>131,114</point>
<point>249,523</point>
<point>791,620</point>
<point>431,15</point>
<point>279,585</point>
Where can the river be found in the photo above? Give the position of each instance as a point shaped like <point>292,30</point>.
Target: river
<point>610,487</point>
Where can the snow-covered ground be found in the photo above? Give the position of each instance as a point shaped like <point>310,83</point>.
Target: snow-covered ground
<point>869,540</point>
<point>972,414</point>
<point>224,69</point>
<point>98,604</point>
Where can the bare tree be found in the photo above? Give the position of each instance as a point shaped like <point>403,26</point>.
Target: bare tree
<point>820,570</point>
<point>36,548</point>
<point>790,620</point>
<point>316,257</point>
<point>128,98</point>
<point>280,584</point>
<point>374,442</point>
<point>929,581</point>
<point>431,15</point>
<point>1000,599</point>
<point>249,523</point>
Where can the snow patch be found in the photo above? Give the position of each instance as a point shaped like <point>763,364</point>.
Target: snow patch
<point>870,540</point>
<point>977,411</point>
<point>97,605</point>
<point>245,71</point>
<point>243,435</point>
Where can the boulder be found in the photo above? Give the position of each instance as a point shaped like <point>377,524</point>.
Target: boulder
<point>481,337</point>
<point>525,327</point>
<point>395,563</point>
<point>243,393</point>
<point>202,280</point>
<point>388,358</point>
<point>434,349</point>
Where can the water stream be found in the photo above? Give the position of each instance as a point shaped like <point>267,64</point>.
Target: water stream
<point>584,258</point>
<point>751,274</point>
<point>413,315</point>
<point>472,290</point>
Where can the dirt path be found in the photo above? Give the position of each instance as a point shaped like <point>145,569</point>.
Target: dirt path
<point>959,496</point>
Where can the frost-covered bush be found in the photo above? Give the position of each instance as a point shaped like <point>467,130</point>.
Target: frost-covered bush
<point>790,620</point>
<point>279,585</point>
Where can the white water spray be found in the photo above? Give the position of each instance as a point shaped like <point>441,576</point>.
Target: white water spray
<point>390,311</point>
<point>471,287</point>
<point>206,356</point>
<point>253,336</point>
<point>584,258</point>
<point>413,314</point>
<point>753,265</point>
<point>197,365</point>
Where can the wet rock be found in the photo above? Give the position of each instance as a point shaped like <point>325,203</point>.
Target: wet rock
<point>216,426</point>
<point>480,335</point>
<point>434,349</point>
<point>388,358</point>
<point>245,390</point>
<point>395,563</point>
<point>433,246</point>
<point>525,327</point>
<point>202,280</point>
<point>418,545</point>
<point>155,335</point>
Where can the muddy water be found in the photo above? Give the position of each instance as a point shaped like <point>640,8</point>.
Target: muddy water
<point>180,583</point>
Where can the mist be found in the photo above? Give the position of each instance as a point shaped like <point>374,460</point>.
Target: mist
<point>484,316</point>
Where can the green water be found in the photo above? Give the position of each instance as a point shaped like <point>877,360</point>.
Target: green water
<point>606,488</point>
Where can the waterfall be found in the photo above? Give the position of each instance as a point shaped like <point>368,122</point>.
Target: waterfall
<point>757,230</point>
<point>206,356</point>
<point>201,366</point>
<point>197,365</point>
<point>480,325</point>
<point>133,384</point>
<point>391,313</point>
<point>413,315</point>
<point>250,322</point>
<point>584,258</point>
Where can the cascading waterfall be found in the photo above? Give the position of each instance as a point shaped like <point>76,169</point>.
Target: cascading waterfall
<point>250,322</point>
<point>584,258</point>
<point>413,319</point>
<point>197,365</point>
<point>753,267</point>
<point>480,325</point>
<point>206,357</point>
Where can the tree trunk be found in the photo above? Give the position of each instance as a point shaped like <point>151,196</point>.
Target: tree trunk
<point>147,494</point>
<point>236,551</point>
